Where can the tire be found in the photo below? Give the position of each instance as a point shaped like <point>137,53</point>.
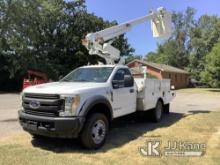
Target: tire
<point>95,131</point>
<point>37,137</point>
<point>157,112</point>
<point>166,109</point>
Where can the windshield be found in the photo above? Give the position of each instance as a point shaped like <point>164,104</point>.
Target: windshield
<point>93,74</point>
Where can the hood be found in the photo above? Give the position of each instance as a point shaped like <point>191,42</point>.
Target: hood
<point>63,87</point>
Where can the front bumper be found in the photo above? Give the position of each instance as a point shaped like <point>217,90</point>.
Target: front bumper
<point>51,126</point>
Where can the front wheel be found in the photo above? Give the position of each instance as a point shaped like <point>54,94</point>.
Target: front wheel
<point>95,131</point>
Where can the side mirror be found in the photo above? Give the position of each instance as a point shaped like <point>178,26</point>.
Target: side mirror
<point>128,81</point>
<point>115,84</point>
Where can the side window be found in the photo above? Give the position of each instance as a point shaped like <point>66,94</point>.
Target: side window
<point>129,83</point>
<point>127,72</point>
<point>119,76</point>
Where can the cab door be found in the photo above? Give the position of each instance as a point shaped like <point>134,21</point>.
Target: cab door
<point>124,95</point>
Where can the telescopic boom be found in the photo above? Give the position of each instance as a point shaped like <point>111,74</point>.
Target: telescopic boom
<point>99,43</point>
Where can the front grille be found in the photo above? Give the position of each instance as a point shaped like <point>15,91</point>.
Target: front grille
<point>42,96</point>
<point>48,104</point>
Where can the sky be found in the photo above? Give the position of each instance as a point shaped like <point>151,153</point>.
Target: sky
<point>140,37</point>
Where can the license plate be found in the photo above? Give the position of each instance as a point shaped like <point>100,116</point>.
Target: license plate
<point>32,127</point>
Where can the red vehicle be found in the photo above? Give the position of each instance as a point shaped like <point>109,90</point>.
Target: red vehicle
<point>34,78</point>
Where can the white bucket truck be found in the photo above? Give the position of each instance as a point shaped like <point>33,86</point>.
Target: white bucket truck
<point>84,102</point>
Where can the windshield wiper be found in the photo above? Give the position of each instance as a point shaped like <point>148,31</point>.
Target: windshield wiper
<point>79,80</point>
<point>64,80</point>
<point>82,80</point>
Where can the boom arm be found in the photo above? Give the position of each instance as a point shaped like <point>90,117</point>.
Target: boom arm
<point>99,43</point>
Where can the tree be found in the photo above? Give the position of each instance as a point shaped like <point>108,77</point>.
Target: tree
<point>203,37</point>
<point>46,35</point>
<point>174,51</point>
<point>211,74</point>
<point>168,53</point>
<point>191,46</point>
<point>132,57</point>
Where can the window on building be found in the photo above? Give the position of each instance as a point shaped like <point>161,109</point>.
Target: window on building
<point>176,77</point>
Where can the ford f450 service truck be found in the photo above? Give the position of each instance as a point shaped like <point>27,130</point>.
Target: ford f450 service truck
<point>84,103</point>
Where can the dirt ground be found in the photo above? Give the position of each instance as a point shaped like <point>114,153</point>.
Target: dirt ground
<point>184,103</point>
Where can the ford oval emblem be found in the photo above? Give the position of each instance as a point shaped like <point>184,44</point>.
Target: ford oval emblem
<point>34,104</point>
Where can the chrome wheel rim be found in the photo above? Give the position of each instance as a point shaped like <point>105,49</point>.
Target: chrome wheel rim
<point>98,131</point>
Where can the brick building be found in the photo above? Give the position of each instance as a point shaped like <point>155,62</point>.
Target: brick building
<point>179,78</point>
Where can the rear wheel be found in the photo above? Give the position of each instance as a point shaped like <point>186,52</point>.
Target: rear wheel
<point>95,131</point>
<point>167,108</point>
<point>157,112</point>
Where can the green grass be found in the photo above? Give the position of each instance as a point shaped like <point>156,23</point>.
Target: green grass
<point>200,90</point>
<point>122,145</point>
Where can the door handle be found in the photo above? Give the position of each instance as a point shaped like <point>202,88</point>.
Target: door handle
<point>131,90</point>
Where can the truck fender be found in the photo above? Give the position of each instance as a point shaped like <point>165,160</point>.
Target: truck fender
<point>159,99</point>
<point>91,102</point>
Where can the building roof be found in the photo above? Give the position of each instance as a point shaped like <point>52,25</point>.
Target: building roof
<point>161,67</point>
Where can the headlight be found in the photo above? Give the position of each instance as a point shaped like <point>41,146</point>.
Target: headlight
<point>71,105</point>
